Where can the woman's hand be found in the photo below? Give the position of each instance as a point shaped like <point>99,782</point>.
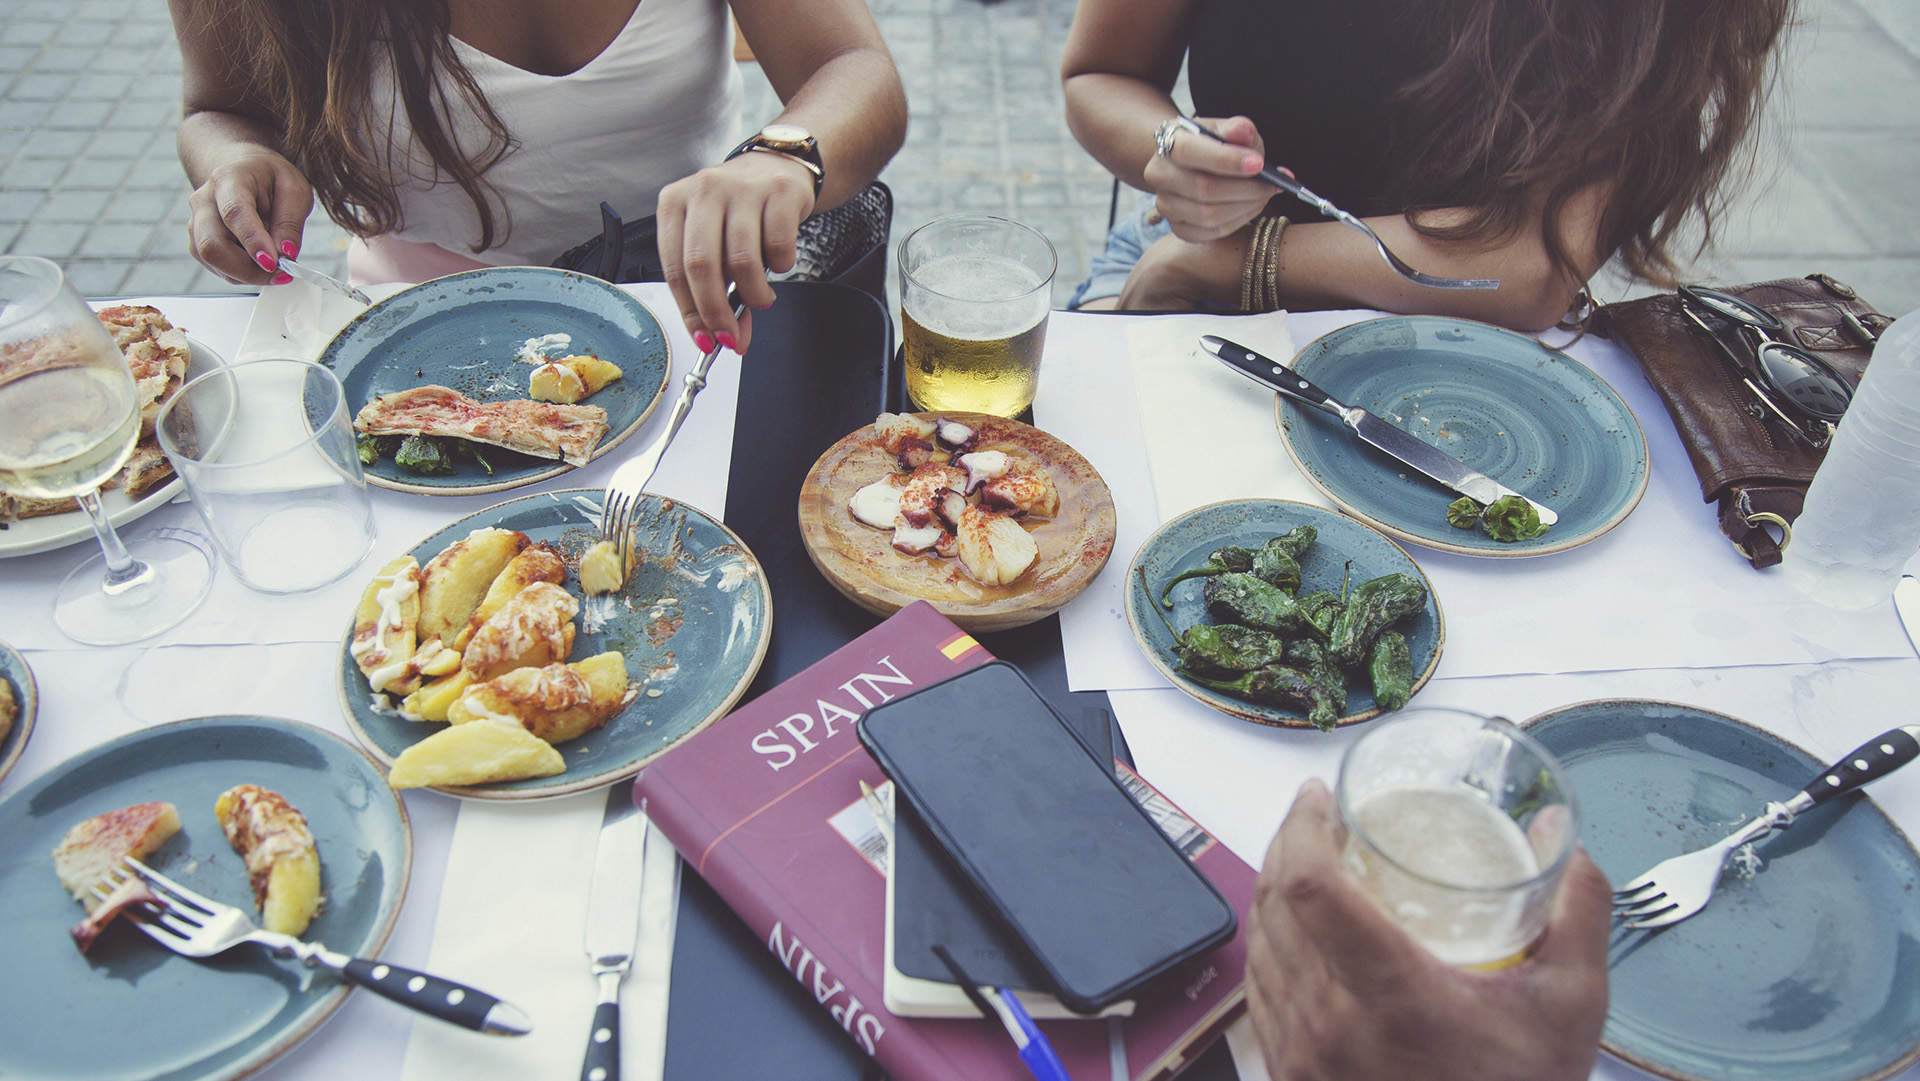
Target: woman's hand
<point>731,223</point>
<point>1338,991</point>
<point>1207,189</point>
<point>249,212</point>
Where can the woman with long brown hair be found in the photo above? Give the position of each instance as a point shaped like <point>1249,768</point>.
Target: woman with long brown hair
<point>451,134</point>
<point>1524,140</point>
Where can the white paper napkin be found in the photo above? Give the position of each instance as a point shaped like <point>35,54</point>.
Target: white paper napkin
<point>513,917</point>
<point>299,319</point>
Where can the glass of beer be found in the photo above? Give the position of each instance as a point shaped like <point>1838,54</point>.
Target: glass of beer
<point>1460,827</point>
<point>974,295</point>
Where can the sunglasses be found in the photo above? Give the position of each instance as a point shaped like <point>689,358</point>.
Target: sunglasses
<point>1803,391</point>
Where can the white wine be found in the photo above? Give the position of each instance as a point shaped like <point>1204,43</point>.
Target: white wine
<point>1448,835</point>
<point>969,347</point>
<point>67,430</point>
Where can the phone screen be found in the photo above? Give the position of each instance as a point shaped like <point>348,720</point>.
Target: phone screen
<point>1041,827</point>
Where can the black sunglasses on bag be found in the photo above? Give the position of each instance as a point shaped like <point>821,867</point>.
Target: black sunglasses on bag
<point>1803,391</point>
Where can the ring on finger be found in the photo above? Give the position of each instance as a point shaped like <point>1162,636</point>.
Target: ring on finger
<point>1163,136</point>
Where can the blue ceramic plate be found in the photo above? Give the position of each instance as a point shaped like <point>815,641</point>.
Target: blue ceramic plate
<point>26,699</point>
<point>1809,968</point>
<point>130,1008</point>
<point>1528,416</point>
<point>1183,544</point>
<point>693,622</point>
<point>462,331</point>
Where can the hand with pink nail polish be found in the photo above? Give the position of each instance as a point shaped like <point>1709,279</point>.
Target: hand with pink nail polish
<point>245,213</point>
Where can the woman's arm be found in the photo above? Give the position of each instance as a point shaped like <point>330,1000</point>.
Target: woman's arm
<point>1121,60</point>
<point>735,221</point>
<point>249,205</point>
<point>1327,265</point>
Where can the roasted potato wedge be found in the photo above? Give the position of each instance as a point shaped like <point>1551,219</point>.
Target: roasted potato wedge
<point>454,582</point>
<point>534,628</point>
<point>478,753</point>
<point>282,861</point>
<point>600,569</point>
<point>430,702</point>
<point>539,562</point>
<point>568,379</point>
<point>557,703</point>
<point>383,628</point>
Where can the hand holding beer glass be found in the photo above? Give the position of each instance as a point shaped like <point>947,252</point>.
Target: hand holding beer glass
<point>974,295</point>
<point>1460,827</point>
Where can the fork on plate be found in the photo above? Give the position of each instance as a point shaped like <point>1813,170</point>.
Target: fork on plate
<point>629,482</point>
<point>196,926</point>
<point>1678,887</point>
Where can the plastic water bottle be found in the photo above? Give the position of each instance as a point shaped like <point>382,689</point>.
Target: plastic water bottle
<point>1862,518</point>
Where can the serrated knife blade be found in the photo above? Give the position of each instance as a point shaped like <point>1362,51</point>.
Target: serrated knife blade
<point>1906,601</point>
<point>613,923</point>
<point>1417,453</point>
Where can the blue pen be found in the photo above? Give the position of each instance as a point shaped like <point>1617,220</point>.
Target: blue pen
<point>1041,1059</point>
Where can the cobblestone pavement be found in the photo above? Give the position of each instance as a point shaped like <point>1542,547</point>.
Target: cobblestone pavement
<point>89,95</point>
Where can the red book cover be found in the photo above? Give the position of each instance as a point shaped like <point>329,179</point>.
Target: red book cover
<point>766,805</point>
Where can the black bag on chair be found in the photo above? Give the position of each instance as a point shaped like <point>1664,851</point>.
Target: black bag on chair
<point>847,244</point>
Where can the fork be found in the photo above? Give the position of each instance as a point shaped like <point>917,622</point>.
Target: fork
<point>196,926</point>
<point>1285,182</point>
<point>1681,886</point>
<point>629,482</point>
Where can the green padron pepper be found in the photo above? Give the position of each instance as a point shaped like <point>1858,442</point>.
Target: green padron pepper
<point>1319,608</point>
<point>1219,561</point>
<point>1374,606</point>
<point>1223,649</point>
<point>1277,567</point>
<point>367,447</point>
<point>1464,513</point>
<point>1241,598</point>
<point>1273,685</point>
<point>1295,541</point>
<point>1507,519</point>
<point>1330,684</point>
<point>1390,668</point>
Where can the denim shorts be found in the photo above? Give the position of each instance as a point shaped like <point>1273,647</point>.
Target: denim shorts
<point>1126,242</point>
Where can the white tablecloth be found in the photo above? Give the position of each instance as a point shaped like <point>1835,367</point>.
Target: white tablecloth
<point>246,653</point>
<point>1662,607</point>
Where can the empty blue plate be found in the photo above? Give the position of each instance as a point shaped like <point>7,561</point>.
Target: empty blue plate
<point>692,622</point>
<point>1528,416</point>
<point>1807,969</point>
<point>462,332</point>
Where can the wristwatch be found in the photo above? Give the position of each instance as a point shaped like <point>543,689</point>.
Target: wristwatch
<point>791,141</point>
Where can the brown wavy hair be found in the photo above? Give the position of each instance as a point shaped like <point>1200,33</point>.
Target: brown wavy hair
<point>310,64</point>
<point>1535,100</point>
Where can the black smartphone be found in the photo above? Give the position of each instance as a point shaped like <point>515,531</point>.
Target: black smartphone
<point>1041,827</point>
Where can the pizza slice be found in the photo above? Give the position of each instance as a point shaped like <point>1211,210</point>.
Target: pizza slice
<point>541,429</point>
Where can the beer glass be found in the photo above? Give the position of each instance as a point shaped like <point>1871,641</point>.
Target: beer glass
<point>974,295</point>
<point>1460,827</point>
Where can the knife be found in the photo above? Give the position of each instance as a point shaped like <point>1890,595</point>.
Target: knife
<point>1906,601</point>
<point>1421,455</point>
<point>613,923</point>
<point>322,280</point>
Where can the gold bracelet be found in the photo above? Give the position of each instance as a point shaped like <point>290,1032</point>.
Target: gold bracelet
<point>1258,290</point>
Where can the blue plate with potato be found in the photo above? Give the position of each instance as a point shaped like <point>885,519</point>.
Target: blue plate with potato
<point>691,623</point>
<point>1342,548</point>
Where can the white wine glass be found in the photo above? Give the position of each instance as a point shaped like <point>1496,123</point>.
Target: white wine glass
<point>69,418</point>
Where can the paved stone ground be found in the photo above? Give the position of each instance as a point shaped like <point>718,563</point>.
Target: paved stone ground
<point>89,94</point>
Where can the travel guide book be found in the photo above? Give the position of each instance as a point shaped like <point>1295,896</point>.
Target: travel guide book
<point>767,805</point>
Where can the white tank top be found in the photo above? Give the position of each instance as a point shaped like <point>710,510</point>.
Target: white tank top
<point>658,104</point>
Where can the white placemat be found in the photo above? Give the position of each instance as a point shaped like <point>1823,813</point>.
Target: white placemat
<point>1663,589</point>
<point>512,921</point>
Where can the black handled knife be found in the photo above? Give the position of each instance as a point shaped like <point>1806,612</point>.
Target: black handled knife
<point>1420,455</point>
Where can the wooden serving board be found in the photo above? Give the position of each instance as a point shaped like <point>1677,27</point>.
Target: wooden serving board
<point>862,563</point>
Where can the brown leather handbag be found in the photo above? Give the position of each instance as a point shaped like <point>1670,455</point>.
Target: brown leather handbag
<point>1750,459</point>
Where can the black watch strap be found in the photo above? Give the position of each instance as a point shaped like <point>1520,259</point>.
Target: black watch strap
<point>806,152</point>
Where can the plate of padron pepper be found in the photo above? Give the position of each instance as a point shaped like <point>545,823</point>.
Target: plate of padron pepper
<point>1284,613</point>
